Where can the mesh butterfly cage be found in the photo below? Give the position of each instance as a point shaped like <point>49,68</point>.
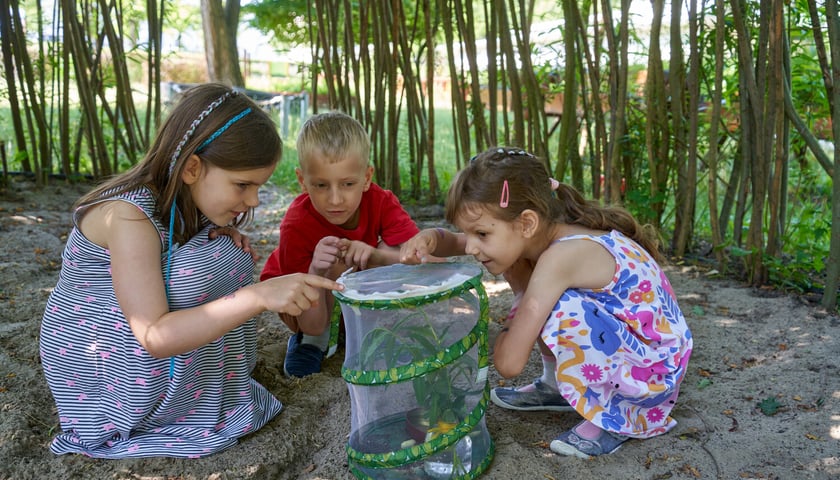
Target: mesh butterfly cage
<point>416,365</point>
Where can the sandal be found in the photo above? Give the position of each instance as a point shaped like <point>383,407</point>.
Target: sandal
<point>570,443</point>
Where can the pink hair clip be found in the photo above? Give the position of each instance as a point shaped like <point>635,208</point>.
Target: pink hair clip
<point>505,199</point>
<point>554,183</point>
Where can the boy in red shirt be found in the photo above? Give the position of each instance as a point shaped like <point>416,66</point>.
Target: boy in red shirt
<point>341,220</point>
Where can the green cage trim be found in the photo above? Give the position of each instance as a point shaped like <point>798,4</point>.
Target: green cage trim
<point>392,304</point>
<point>415,453</point>
<point>479,469</point>
<point>409,302</point>
<point>478,334</point>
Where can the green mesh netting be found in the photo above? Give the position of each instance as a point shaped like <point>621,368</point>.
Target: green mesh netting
<point>371,465</point>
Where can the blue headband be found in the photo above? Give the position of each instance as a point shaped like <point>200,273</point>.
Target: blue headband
<point>222,130</point>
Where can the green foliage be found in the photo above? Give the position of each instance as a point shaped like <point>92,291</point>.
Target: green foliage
<point>445,161</point>
<point>414,339</point>
<point>806,243</point>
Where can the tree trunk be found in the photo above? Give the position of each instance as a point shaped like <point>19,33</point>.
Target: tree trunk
<point>568,146</point>
<point>220,23</point>
<point>460,117</point>
<point>714,142</point>
<point>829,299</point>
<point>657,127</point>
<point>618,53</point>
<point>594,115</point>
<point>11,37</point>
<point>687,189</point>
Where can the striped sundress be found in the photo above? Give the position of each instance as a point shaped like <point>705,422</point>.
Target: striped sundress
<point>622,350</point>
<point>114,399</point>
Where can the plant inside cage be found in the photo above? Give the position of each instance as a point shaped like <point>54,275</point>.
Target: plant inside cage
<point>441,392</point>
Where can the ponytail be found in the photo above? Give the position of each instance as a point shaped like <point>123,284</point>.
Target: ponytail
<point>590,214</point>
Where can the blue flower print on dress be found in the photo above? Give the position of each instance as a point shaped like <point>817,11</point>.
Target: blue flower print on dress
<point>604,328</point>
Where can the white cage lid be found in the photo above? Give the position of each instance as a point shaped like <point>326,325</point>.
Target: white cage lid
<point>400,281</point>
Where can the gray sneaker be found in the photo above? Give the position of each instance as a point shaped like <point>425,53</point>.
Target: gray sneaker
<point>570,443</point>
<point>541,397</point>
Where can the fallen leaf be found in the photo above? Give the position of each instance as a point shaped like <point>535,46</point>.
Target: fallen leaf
<point>769,406</point>
<point>690,470</point>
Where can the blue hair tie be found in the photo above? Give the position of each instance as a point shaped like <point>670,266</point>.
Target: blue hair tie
<point>168,275</point>
<point>220,131</point>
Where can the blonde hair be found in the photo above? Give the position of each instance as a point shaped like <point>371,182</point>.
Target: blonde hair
<point>332,136</point>
<point>505,182</point>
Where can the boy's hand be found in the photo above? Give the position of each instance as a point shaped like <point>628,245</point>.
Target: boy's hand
<point>357,254</point>
<point>239,239</point>
<point>419,247</point>
<point>328,251</point>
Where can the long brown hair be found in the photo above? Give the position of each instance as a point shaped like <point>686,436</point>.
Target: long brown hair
<point>519,180</point>
<point>199,124</point>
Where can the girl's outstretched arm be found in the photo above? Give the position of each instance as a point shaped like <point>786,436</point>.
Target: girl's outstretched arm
<point>437,242</point>
<point>564,265</point>
<point>135,251</point>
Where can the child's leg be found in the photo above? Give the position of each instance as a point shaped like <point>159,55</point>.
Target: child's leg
<point>306,353</point>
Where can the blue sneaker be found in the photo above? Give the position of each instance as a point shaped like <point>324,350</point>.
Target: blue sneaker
<point>533,397</point>
<point>570,443</point>
<point>302,359</point>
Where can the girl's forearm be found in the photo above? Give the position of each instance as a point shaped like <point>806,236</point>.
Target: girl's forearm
<point>185,330</point>
<point>449,244</point>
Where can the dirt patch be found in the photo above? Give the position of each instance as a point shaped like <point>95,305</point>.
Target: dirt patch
<point>761,400</point>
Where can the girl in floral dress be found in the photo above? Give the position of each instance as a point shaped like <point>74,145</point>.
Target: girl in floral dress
<point>614,343</point>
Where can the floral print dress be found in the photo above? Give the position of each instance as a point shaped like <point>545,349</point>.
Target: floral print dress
<point>114,399</point>
<point>622,350</point>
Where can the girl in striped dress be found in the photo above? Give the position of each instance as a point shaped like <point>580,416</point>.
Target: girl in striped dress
<point>148,340</point>
<point>614,343</point>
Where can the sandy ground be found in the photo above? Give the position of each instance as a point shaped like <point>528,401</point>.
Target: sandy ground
<point>761,400</point>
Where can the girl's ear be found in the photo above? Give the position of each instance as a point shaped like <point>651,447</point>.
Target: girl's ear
<point>192,170</point>
<point>529,221</point>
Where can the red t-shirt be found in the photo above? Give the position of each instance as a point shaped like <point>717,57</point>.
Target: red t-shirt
<point>381,217</point>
